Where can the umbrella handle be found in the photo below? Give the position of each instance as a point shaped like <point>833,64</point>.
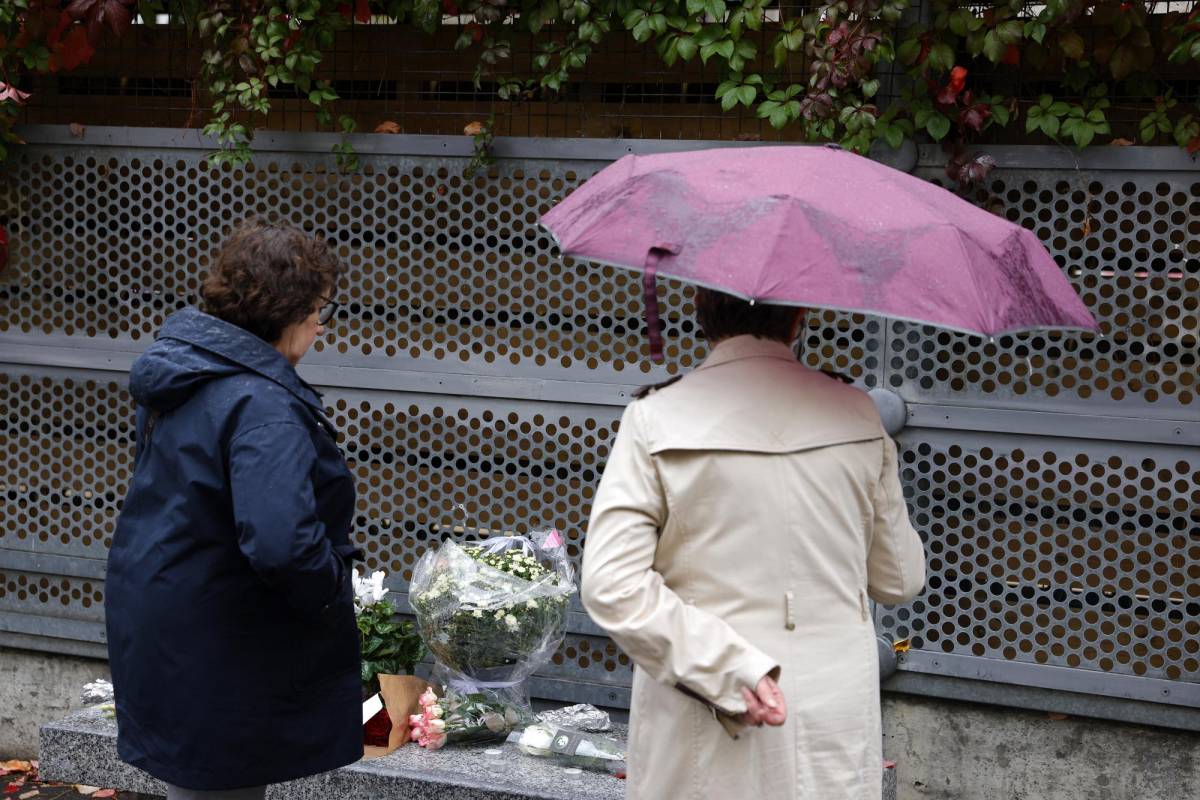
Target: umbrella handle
<point>650,298</point>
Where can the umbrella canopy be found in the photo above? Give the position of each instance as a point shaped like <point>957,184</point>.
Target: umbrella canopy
<point>816,227</point>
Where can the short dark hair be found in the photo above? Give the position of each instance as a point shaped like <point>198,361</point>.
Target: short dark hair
<point>722,315</point>
<point>269,276</point>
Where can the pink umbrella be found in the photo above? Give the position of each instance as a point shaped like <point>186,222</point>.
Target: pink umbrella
<point>816,227</point>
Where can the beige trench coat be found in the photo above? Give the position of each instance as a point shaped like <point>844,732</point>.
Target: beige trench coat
<point>746,514</point>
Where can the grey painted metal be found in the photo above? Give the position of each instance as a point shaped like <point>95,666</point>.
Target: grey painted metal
<point>892,410</point>
<point>903,158</point>
<point>888,662</point>
<point>1053,552</point>
<point>371,144</point>
<point>1061,157</point>
<point>512,418</point>
<point>21,351</point>
<point>48,564</point>
<point>1047,157</point>
<point>1044,676</point>
<point>50,644</point>
<point>54,627</point>
<point>1110,427</point>
<point>1036,698</point>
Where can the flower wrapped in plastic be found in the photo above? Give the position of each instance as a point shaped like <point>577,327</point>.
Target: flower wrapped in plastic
<point>491,613</point>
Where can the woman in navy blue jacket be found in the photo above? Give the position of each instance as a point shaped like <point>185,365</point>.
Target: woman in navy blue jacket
<point>229,607</point>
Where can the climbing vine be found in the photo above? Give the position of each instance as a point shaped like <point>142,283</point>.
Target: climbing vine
<point>820,75</point>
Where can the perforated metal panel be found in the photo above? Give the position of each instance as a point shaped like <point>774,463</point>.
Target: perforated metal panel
<point>510,466</point>
<point>67,454</point>
<point>472,366</point>
<point>1056,552</point>
<point>1130,244</point>
<point>443,271</point>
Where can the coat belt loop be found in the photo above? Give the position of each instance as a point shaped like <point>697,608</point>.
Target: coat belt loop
<point>789,610</point>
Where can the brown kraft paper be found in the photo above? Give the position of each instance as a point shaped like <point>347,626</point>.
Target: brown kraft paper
<point>400,694</point>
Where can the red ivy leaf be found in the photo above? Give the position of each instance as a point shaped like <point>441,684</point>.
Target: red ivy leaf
<point>76,49</point>
<point>1193,146</point>
<point>362,10</point>
<point>1012,55</point>
<point>346,10</point>
<point>64,22</point>
<point>974,117</point>
<point>117,15</point>
<point>958,79</point>
<point>949,93</point>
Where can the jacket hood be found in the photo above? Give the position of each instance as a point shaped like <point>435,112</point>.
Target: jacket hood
<point>194,348</point>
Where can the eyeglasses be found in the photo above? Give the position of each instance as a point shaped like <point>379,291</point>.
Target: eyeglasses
<point>327,311</point>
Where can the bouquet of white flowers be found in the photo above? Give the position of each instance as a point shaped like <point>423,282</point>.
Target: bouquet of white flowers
<point>492,613</point>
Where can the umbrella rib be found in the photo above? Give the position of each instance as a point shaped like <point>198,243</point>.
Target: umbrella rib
<point>958,234</point>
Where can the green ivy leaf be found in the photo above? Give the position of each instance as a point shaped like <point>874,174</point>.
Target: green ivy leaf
<point>1009,32</point>
<point>993,47</point>
<point>1071,44</point>
<point>937,126</point>
<point>1050,126</point>
<point>687,47</point>
<point>908,52</point>
<point>1122,62</point>
<point>941,57</point>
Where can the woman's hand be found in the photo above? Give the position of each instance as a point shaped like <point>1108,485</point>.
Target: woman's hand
<point>765,704</point>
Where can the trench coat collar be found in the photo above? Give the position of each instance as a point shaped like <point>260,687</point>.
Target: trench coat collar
<point>238,345</point>
<point>739,347</point>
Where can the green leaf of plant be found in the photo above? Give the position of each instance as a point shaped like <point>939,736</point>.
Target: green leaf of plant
<point>941,57</point>
<point>894,136</point>
<point>993,47</point>
<point>686,47</point>
<point>1122,62</point>
<point>1009,32</point>
<point>746,95</point>
<point>1148,128</point>
<point>938,126</point>
<point>1071,44</point>
<point>908,52</point>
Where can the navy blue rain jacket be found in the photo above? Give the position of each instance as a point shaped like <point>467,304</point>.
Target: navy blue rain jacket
<point>229,604</point>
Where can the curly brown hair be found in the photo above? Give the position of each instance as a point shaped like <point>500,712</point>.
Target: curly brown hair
<point>269,276</point>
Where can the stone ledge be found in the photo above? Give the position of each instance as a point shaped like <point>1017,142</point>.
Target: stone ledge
<point>83,749</point>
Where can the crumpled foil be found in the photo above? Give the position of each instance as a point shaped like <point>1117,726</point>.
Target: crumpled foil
<point>96,693</point>
<point>582,717</point>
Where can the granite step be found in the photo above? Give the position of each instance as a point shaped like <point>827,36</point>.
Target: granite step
<point>82,748</point>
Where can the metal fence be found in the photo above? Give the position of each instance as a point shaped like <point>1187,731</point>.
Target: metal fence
<point>1055,478</point>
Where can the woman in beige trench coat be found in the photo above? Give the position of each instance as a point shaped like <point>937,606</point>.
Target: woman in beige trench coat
<point>746,515</point>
